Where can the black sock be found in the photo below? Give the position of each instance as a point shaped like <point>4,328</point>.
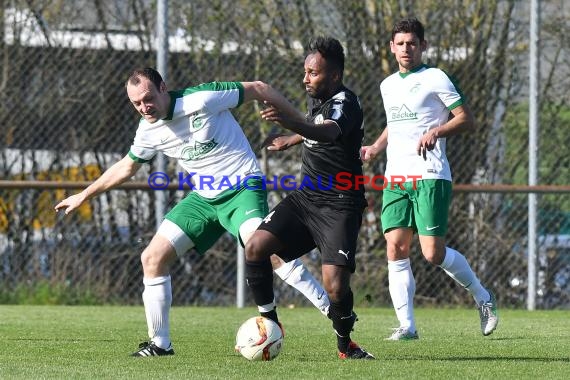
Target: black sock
<point>343,320</point>
<point>342,343</point>
<point>259,276</point>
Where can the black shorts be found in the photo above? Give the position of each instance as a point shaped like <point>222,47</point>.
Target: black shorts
<point>302,225</point>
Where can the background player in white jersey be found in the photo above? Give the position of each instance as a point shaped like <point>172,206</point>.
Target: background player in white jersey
<point>418,100</point>
<point>195,126</point>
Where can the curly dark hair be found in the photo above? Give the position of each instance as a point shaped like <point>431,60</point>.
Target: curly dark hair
<point>330,49</point>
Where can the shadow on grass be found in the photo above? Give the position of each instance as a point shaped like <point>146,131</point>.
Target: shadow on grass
<point>59,340</point>
<point>483,358</point>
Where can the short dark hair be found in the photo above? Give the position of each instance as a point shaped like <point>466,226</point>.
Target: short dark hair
<point>148,73</point>
<point>330,49</point>
<point>409,25</point>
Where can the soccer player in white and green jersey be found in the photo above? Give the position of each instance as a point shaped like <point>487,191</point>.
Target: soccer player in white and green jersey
<point>418,100</point>
<point>195,126</point>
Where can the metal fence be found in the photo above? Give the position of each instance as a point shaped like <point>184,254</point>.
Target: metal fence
<point>65,117</point>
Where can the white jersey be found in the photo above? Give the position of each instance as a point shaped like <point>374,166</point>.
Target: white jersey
<point>416,102</point>
<point>203,135</point>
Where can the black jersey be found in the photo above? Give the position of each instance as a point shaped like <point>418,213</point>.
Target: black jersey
<point>331,167</point>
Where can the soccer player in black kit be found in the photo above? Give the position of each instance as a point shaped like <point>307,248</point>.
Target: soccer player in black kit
<point>321,212</point>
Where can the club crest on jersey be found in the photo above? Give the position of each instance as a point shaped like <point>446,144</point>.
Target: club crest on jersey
<point>415,88</point>
<point>198,151</point>
<point>196,122</point>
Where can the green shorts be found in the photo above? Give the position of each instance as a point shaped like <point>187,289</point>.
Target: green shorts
<point>204,220</point>
<point>423,208</point>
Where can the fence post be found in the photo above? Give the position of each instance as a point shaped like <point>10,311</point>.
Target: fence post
<point>240,286</point>
<point>162,67</point>
<point>533,125</point>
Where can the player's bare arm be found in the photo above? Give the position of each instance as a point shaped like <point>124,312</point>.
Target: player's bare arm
<point>280,142</point>
<point>462,121</point>
<point>328,131</point>
<point>115,175</point>
<point>264,93</point>
<point>279,110</point>
<point>369,152</point>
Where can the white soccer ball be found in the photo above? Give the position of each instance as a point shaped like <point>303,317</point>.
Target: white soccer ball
<point>259,339</point>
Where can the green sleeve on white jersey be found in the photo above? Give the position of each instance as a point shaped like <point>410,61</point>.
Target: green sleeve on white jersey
<point>456,104</point>
<point>451,92</point>
<point>218,86</point>
<point>137,159</point>
<point>212,97</point>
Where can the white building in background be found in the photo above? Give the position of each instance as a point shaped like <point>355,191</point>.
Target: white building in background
<point>24,28</point>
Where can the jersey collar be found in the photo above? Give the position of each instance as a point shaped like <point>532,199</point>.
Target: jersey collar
<point>414,70</point>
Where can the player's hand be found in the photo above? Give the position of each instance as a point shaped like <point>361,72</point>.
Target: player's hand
<point>271,113</point>
<point>279,116</point>
<point>427,142</point>
<point>277,142</point>
<point>368,152</point>
<point>71,203</point>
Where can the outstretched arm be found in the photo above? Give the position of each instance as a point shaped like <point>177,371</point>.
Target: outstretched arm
<point>264,93</point>
<point>279,110</point>
<point>115,175</point>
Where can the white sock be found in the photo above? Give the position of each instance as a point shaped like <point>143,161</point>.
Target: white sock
<point>295,274</point>
<point>157,299</point>
<point>402,287</point>
<point>457,267</point>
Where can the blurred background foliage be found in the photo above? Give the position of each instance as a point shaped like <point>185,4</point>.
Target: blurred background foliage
<point>65,116</point>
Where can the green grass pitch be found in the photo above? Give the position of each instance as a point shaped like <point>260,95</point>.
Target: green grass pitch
<point>94,342</point>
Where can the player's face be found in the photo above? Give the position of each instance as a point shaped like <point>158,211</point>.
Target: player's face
<point>319,81</point>
<point>151,102</point>
<point>408,50</point>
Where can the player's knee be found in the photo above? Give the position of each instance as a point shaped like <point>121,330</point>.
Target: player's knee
<point>397,251</point>
<point>153,260</point>
<point>261,246</point>
<point>337,290</point>
<point>434,256</point>
<point>254,250</point>
<point>336,281</point>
